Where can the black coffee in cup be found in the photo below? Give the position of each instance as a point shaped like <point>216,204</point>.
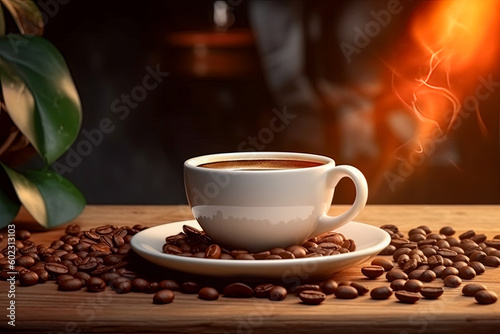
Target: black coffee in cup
<point>261,164</point>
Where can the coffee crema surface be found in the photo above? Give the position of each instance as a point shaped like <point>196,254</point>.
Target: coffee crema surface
<point>261,164</point>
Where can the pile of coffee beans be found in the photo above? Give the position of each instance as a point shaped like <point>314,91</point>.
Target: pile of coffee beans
<point>195,243</point>
<point>101,258</point>
<point>425,257</point>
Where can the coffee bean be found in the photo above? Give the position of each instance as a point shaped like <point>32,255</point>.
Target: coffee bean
<point>449,271</point>
<point>169,284</point>
<point>287,255</point>
<point>277,293</point>
<point>163,297</point>
<point>447,253</point>
<point>171,249</point>
<point>428,276</point>
<point>447,230</point>
<point>452,281</point>
<point>415,274</point>
<point>213,252</point>
<point>478,256</point>
<point>382,292</point>
<point>312,297</point>
<point>390,227</point>
<point>389,250</point>
<point>139,284</point>
<point>492,261</point>
<point>396,274</point>
<point>383,262</point>
<point>470,289</point>
<point>407,297</point>
<point>249,257</point>
<point>346,292</point>
<point>398,284</point>
<point>459,264</point>
<point>495,243</point>
<point>413,285</point>
<point>430,292</point>
<point>25,261</point>
<point>478,267</point>
<point>486,297</point>
<point>56,268</point>
<point>153,286</point>
<point>360,287</point>
<point>64,277</point>
<point>261,255</point>
<point>297,251</point>
<point>467,272</point>
<point>238,290</point>
<point>23,235</point>
<point>208,293</point>
<point>191,231</point>
<point>467,235</point>
<point>329,286</point>
<point>43,275</point>
<point>72,284</point>
<point>28,278</point>
<point>303,287</point>
<point>262,290</point>
<point>372,271</point>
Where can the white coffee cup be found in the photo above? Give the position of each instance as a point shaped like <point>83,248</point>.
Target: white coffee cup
<point>257,208</point>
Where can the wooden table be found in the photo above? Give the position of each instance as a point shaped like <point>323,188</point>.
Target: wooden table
<point>41,308</point>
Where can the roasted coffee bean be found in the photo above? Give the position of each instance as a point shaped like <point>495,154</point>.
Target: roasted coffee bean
<point>23,235</point>
<point>372,271</point>
<point>169,284</point>
<point>275,257</point>
<point>478,256</point>
<point>447,262</point>
<point>238,290</point>
<point>415,274</point>
<point>417,237</point>
<point>410,265</point>
<point>435,236</point>
<point>213,252</point>
<point>430,292</point>
<point>25,261</point>
<point>449,271</point>
<point>447,253</point>
<point>122,285</point>
<point>439,270</point>
<point>277,293</point>
<point>262,255</point>
<point>389,250</point>
<point>407,296</point>
<point>329,286</point>
<point>435,260</point>
<point>383,262</point>
<point>428,276</point>
<point>478,267</point>
<point>349,244</point>
<point>452,281</point>
<point>56,268</point>
<point>72,284</point>
<point>163,297</point>
<point>262,290</point>
<point>467,235</point>
<point>312,297</point>
<point>297,251</point>
<point>443,244</point>
<point>236,252</point>
<point>447,230</point>
<point>287,255</point>
<point>413,285</point>
<point>495,243</point>
<point>208,293</point>
<point>459,264</point>
<point>63,277</point>
<point>486,297</point>
<point>399,243</point>
<point>153,286</point>
<point>491,261</point>
<point>28,278</point>
<point>95,284</point>
<point>360,287</point>
<point>398,284</point>
<point>109,277</point>
<point>466,273</point>
<point>73,229</point>
<point>246,256</point>
<point>396,274</point>
<point>43,275</point>
<point>303,287</point>
<point>381,292</point>
<point>346,292</point>
<point>171,249</point>
<point>139,284</point>
<point>470,289</point>
<point>390,227</point>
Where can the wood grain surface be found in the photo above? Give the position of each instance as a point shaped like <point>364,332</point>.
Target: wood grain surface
<point>43,309</point>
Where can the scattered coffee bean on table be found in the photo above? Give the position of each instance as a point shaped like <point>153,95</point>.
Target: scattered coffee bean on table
<point>208,293</point>
<point>373,271</point>
<point>382,292</point>
<point>163,297</point>
<point>486,297</point>
<point>346,292</point>
<point>312,297</point>
<point>470,289</point>
<point>277,293</point>
<point>407,297</point>
<point>431,292</point>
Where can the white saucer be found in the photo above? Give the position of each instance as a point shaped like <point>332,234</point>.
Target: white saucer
<point>369,240</point>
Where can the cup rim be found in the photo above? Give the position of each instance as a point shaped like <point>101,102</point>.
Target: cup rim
<point>195,162</point>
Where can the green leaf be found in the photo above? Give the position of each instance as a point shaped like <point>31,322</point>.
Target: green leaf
<point>34,63</point>
<point>28,17</point>
<point>51,199</point>
<point>9,205</point>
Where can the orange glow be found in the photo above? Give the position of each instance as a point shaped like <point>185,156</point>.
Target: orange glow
<point>453,44</point>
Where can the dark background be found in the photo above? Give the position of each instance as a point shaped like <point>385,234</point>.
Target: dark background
<point>109,45</point>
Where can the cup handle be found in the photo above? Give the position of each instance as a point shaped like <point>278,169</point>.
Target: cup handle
<point>328,223</point>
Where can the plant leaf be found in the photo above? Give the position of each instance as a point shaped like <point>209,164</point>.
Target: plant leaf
<point>29,19</point>
<point>9,205</point>
<point>55,123</point>
<point>51,199</point>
